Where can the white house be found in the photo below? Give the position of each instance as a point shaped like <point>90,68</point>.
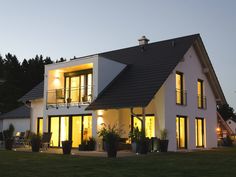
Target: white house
<point>19,118</point>
<point>170,84</point>
<point>232,124</point>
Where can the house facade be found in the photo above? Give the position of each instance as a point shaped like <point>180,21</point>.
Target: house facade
<point>19,118</point>
<point>169,85</point>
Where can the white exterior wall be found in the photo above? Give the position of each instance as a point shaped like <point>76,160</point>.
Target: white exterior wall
<point>232,125</point>
<point>36,111</point>
<point>104,71</point>
<point>192,70</point>
<point>20,125</point>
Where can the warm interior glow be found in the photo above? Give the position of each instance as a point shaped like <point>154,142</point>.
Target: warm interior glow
<point>76,130</point>
<point>87,124</point>
<point>218,129</point>
<point>199,132</point>
<point>179,81</point>
<point>64,129</point>
<point>40,126</point>
<point>54,127</point>
<point>149,125</point>
<point>181,132</point>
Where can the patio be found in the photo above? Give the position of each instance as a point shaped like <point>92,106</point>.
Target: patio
<point>76,152</point>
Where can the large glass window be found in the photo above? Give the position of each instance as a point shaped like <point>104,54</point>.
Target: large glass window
<point>200,93</point>
<point>181,132</point>
<point>64,129</point>
<point>199,129</point>
<point>180,97</point>
<point>75,128</point>
<point>149,125</point>
<point>54,129</point>
<point>40,125</point>
<point>79,86</point>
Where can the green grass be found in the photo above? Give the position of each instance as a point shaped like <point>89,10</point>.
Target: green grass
<point>214,163</point>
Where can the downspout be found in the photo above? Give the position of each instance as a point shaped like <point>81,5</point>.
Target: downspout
<point>142,119</point>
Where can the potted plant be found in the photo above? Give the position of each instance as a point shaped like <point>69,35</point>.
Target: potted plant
<point>66,146</point>
<point>164,141</point>
<point>143,143</point>
<point>110,136</point>
<point>35,142</point>
<point>8,137</point>
<point>134,135</point>
<point>91,144</point>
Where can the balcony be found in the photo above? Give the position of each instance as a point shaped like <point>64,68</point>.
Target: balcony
<point>68,97</point>
<point>181,97</point>
<point>201,102</point>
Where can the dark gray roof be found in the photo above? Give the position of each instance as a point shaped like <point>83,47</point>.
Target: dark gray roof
<point>146,71</point>
<point>22,112</point>
<point>35,93</point>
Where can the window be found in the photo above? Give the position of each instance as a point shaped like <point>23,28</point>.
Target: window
<point>149,124</point>
<point>75,128</point>
<point>40,125</point>
<point>180,93</point>
<point>201,98</point>
<point>78,86</point>
<point>199,129</point>
<point>181,132</point>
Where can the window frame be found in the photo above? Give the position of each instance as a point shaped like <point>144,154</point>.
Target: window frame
<point>203,132</point>
<point>183,100</point>
<point>185,132</point>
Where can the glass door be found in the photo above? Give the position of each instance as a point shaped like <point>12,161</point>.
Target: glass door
<point>181,132</point>
<point>199,128</point>
<point>149,125</point>
<point>54,129</point>
<point>40,126</point>
<point>64,129</point>
<point>76,130</point>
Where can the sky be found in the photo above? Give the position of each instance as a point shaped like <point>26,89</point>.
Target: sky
<point>68,28</point>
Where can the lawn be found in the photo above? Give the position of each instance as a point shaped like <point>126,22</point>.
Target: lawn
<point>213,163</point>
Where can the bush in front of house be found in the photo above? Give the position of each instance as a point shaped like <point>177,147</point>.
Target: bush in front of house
<point>8,137</point>
<point>88,145</point>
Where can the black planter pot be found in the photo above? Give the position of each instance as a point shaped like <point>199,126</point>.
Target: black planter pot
<point>143,146</point>
<point>9,144</point>
<point>66,147</point>
<point>163,145</point>
<point>111,148</point>
<point>35,145</point>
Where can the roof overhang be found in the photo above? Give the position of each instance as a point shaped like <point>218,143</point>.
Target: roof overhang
<point>208,70</point>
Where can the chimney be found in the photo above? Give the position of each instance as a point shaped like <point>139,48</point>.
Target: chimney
<point>143,40</point>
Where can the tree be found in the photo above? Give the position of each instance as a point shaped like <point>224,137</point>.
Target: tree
<point>226,111</point>
<point>19,78</point>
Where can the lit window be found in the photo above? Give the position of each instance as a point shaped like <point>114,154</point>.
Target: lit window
<point>180,93</point>
<point>201,99</point>
<point>181,132</point>
<point>199,129</point>
<point>149,125</point>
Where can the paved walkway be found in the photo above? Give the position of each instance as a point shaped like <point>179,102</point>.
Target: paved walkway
<point>76,152</point>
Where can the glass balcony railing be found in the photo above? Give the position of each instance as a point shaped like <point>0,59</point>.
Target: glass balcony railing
<point>75,96</point>
<point>201,102</point>
<point>181,97</point>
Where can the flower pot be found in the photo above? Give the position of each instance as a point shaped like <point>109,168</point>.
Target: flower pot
<point>163,145</point>
<point>144,145</point>
<point>8,144</point>
<point>135,147</point>
<point>66,147</point>
<point>111,148</point>
<point>35,145</point>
